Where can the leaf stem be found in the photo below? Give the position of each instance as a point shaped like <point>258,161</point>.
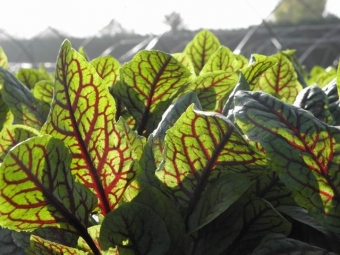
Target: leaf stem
<point>88,239</point>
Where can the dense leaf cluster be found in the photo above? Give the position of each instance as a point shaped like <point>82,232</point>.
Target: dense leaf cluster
<point>198,152</point>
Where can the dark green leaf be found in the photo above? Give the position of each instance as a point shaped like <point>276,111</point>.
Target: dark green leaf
<point>304,150</point>
<point>218,198</point>
<point>135,229</point>
<point>279,244</point>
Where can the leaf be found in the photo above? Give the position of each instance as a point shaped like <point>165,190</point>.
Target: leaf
<point>29,77</point>
<point>20,101</point>
<point>83,117</point>
<point>314,99</point>
<point>280,80</point>
<point>219,234</point>
<point>260,219</point>
<point>279,244</point>
<point>38,190</point>
<point>332,93</point>
<point>201,48</point>
<point>22,239</point>
<point>213,88</point>
<point>43,93</point>
<point>3,59</point>
<point>165,209</point>
<point>44,247</point>
<point>6,117</point>
<point>270,188</point>
<point>223,60</point>
<point>12,135</point>
<point>303,150</point>
<point>108,69</point>
<point>219,197</point>
<point>185,60</point>
<point>82,52</point>
<point>94,233</point>
<point>257,65</point>
<point>200,148</point>
<point>149,83</point>
<point>169,118</point>
<point>242,61</point>
<point>135,229</point>
<point>8,247</point>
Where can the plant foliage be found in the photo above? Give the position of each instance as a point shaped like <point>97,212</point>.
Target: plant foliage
<point>197,152</point>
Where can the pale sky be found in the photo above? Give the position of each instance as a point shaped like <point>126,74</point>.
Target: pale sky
<point>85,18</point>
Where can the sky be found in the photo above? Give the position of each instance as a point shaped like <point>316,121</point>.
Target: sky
<point>82,18</point>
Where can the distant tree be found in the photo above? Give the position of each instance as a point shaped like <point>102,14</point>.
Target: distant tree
<point>174,20</point>
<point>299,11</point>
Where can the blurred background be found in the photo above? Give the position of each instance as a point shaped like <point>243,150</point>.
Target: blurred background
<point>31,32</point>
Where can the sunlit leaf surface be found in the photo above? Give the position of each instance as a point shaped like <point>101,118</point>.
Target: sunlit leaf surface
<point>304,150</point>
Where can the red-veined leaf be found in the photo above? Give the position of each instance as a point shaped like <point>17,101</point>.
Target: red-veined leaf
<point>280,80</point>
<point>256,67</point>
<point>6,117</point>
<point>201,47</point>
<point>38,190</point>
<point>184,59</point>
<point>29,77</point>
<point>108,69</point>
<point>149,83</point>
<point>200,148</point>
<point>223,60</point>
<point>44,247</point>
<point>12,135</point>
<point>304,150</point>
<point>213,88</point>
<point>20,101</point>
<point>83,117</point>
<point>43,93</point>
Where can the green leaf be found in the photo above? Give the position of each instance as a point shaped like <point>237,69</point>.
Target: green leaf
<point>149,83</point>
<point>219,234</point>
<point>12,135</point>
<point>201,48</point>
<point>6,117</point>
<point>200,148</point>
<point>185,60</point>
<point>83,116</point>
<point>258,64</point>
<point>20,101</point>
<point>219,197</point>
<point>44,247</point>
<point>223,60</point>
<point>29,77</point>
<point>332,93</point>
<point>43,93</point>
<point>314,99</point>
<point>213,88</point>
<point>323,78</point>
<point>135,229</point>
<point>82,52</point>
<point>22,239</point>
<point>280,80</point>
<point>153,151</point>
<point>270,188</point>
<point>38,190</point>
<point>166,210</point>
<point>279,244</point>
<point>8,246</point>
<point>94,233</point>
<point>260,219</point>
<point>108,69</point>
<point>304,150</point>
<point>3,59</point>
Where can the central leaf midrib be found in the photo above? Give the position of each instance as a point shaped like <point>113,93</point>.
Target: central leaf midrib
<point>151,94</point>
<point>92,170</point>
<point>205,174</point>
